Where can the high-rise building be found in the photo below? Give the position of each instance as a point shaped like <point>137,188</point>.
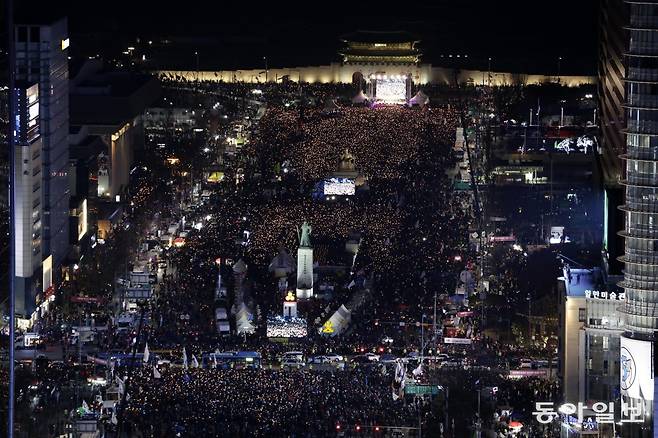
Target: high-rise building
<point>613,19</point>
<point>27,197</point>
<point>590,330</point>
<point>41,57</point>
<point>640,164</point>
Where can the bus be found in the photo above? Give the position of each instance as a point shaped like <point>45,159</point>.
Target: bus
<point>125,359</point>
<point>232,359</point>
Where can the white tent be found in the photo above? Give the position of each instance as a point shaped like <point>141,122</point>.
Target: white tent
<point>282,264</point>
<point>240,267</point>
<point>243,318</point>
<point>337,323</point>
<point>419,99</point>
<point>360,98</point>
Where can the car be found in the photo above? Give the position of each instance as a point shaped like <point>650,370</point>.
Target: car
<point>372,357</point>
<point>526,363</point>
<point>387,358</point>
<point>333,357</point>
<point>319,360</point>
<point>293,354</point>
<point>540,363</point>
<point>292,362</point>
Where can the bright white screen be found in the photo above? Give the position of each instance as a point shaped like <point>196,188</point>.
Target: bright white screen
<point>391,90</point>
<point>339,186</point>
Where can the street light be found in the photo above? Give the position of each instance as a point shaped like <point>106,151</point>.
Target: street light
<point>489,74</point>
<point>559,61</point>
<point>196,53</point>
<point>265,59</point>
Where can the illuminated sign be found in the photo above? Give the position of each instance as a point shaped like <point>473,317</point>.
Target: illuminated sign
<point>328,327</point>
<point>635,368</point>
<point>215,177</point>
<point>510,238</point>
<point>82,221</point>
<point>65,44</point>
<point>47,273</point>
<point>463,341</point>
<point>557,235</point>
<point>605,220</point>
<point>421,389</point>
<point>604,295</point>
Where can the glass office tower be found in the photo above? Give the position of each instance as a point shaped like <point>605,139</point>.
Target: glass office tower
<point>641,216</point>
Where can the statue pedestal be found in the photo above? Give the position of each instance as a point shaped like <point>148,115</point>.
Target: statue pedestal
<point>290,309</point>
<point>304,273</point>
<point>304,294</point>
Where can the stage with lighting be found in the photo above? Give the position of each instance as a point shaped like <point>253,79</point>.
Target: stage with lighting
<point>288,325</point>
<point>390,89</point>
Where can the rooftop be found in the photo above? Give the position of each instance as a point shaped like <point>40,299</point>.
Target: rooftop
<point>384,37</point>
<point>577,281</point>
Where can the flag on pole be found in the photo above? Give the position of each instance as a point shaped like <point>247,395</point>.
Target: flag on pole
<point>146,353</point>
<point>184,358</point>
<point>195,363</point>
<point>114,420</point>
<point>121,385</point>
<point>85,407</point>
<point>156,373</point>
<point>214,360</point>
<point>399,372</point>
<point>418,370</point>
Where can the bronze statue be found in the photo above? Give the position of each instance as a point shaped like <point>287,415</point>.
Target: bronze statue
<point>305,235</point>
<point>346,162</point>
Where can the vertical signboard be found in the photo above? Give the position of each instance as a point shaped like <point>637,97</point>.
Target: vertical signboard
<point>636,368</point>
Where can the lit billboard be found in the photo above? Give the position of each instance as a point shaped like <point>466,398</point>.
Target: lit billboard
<point>636,368</point>
<point>83,226</point>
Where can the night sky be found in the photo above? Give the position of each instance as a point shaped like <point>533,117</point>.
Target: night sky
<point>518,35</point>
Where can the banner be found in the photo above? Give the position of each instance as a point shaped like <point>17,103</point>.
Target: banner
<point>86,300</point>
<point>636,368</point>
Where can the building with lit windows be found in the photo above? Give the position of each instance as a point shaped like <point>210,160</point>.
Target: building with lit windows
<point>42,58</point>
<point>590,328</point>
<point>613,19</point>
<point>640,163</point>
<point>28,203</point>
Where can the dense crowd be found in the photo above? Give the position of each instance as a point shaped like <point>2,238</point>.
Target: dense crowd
<point>261,402</point>
<point>410,225</point>
<point>383,140</point>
